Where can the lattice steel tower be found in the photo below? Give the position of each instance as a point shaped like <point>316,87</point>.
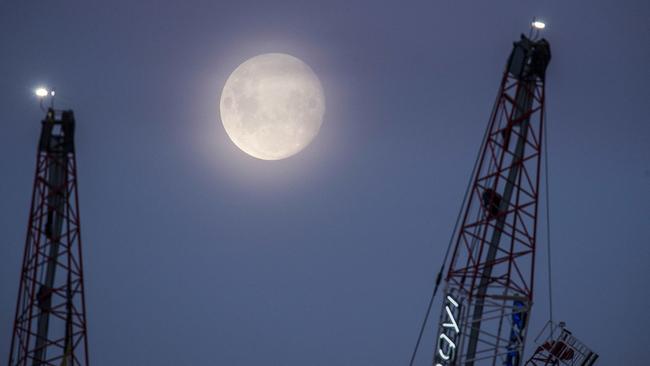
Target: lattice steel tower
<point>50,322</point>
<point>489,283</point>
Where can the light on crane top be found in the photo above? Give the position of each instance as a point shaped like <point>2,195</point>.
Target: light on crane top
<point>538,24</point>
<point>41,92</point>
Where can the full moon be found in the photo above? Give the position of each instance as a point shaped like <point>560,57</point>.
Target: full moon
<point>272,106</point>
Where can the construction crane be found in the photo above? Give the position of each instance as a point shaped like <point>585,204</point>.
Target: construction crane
<point>489,279</point>
<point>489,282</point>
<point>50,322</point>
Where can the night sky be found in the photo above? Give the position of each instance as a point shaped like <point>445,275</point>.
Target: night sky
<point>198,254</point>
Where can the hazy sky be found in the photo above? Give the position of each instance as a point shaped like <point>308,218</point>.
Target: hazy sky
<point>198,254</point>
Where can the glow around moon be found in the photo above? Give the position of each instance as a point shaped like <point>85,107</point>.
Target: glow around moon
<point>272,106</point>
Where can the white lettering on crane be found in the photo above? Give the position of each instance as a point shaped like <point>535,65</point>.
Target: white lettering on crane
<point>446,344</point>
<point>450,349</point>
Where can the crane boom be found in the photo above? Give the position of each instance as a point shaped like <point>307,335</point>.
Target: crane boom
<point>490,276</point>
<point>50,321</point>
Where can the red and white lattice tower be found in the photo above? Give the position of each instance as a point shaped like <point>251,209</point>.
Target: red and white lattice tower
<point>50,322</point>
<point>489,283</point>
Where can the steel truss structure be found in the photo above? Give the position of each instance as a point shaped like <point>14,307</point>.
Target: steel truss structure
<point>50,323</point>
<point>561,348</point>
<point>489,283</point>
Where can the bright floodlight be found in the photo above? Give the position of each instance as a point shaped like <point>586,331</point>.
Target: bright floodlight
<point>538,25</point>
<point>41,92</point>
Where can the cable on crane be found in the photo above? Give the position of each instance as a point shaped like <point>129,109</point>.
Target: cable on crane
<point>451,239</point>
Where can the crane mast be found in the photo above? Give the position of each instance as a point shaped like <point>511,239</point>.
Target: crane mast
<point>489,283</point>
<point>50,321</point>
